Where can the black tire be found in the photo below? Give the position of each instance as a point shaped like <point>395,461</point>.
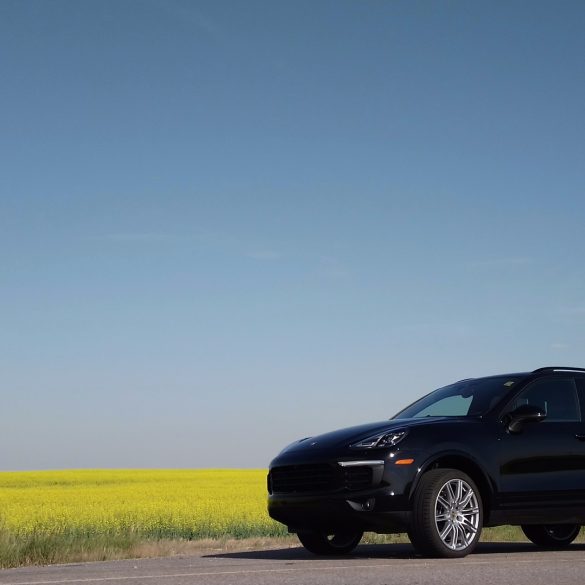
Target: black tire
<point>447,514</point>
<point>340,543</point>
<point>551,535</point>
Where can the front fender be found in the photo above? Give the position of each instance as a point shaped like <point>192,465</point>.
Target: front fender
<point>455,457</point>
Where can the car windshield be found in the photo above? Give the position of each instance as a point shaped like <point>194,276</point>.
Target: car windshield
<point>473,397</point>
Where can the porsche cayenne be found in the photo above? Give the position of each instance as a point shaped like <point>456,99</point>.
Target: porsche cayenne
<point>505,449</point>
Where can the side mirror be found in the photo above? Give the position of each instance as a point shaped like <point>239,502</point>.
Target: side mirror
<point>526,413</point>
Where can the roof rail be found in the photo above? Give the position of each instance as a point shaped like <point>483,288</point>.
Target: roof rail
<point>558,369</point>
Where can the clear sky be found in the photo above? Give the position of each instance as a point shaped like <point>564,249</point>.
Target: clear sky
<point>228,225</point>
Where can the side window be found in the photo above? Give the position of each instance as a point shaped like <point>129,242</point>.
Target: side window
<point>557,397</point>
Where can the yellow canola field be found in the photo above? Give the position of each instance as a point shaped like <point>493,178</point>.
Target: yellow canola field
<point>153,503</point>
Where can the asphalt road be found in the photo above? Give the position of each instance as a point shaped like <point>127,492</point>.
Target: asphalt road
<point>370,564</point>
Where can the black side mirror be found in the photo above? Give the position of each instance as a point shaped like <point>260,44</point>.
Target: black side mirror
<point>526,413</point>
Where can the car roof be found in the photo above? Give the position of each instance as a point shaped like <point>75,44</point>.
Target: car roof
<point>543,370</point>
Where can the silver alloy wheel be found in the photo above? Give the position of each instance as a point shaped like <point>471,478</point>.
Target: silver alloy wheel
<point>457,514</point>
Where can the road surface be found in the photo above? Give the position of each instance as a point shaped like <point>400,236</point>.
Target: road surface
<point>520,564</point>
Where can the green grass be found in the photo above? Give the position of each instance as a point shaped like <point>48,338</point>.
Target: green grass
<point>75,546</point>
<point>46,548</point>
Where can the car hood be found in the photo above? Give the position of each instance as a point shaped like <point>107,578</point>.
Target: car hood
<point>347,436</point>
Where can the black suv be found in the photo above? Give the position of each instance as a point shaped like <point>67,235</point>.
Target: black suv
<point>506,449</point>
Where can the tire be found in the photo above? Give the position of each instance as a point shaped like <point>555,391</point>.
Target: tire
<point>551,535</point>
<point>340,543</point>
<point>447,514</point>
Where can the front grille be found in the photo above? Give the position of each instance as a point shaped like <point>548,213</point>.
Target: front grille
<point>304,478</point>
<point>291,479</point>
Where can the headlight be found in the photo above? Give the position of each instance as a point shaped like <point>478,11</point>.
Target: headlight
<point>381,440</point>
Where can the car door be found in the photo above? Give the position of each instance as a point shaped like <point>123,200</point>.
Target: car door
<point>542,467</point>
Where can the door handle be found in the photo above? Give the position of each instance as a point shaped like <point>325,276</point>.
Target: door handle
<point>580,437</point>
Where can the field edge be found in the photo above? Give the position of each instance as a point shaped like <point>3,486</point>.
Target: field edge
<point>52,550</point>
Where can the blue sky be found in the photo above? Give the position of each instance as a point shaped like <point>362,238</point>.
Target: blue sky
<point>227,225</point>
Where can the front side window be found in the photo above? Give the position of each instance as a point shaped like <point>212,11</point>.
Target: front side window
<point>556,397</point>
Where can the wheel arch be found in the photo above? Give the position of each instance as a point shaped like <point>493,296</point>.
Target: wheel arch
<point>462,462</point>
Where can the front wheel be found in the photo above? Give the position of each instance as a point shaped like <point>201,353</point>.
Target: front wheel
<point>447,514</point>
<point>339,543</point>
<point>551,535</point>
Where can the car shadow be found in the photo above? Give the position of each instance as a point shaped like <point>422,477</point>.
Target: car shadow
<point>381,551</point>
<point>296,553</point>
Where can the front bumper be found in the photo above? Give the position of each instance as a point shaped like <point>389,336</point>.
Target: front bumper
<point>383,507</point>
<point>374,511</point>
